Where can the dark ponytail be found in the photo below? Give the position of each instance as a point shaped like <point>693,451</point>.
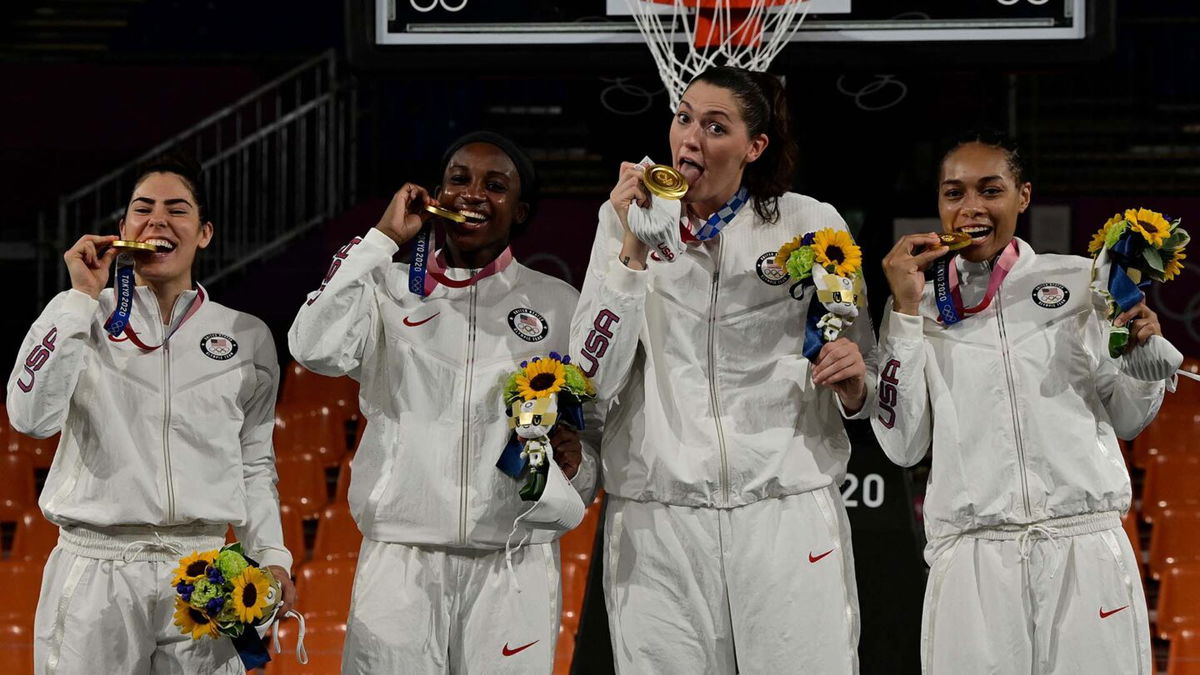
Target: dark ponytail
<point>763,104</point>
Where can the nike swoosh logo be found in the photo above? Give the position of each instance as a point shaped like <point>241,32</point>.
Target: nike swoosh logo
<point>418,323</point>
<point>1105,615</point>
<point>814,558</point>
<point>509,652</point>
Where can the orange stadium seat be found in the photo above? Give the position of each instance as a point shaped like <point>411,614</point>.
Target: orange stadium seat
<point>293,533</point>
<point>1172,481</point>
<point>317,429</point>
<point>337,534</point>
<point>301,385</point>
<point>40,450</point>
<point>16,485</point>
<point>564,651</point>
<point>577,544</point>
<point>20,583</point>
<point>342,494</point>
<point>1175,540</point>
<point>34,538</point>
<point>302,483</point>
<point>1173,431</point>
<point>574,582</point>
<point>1178,600</point>
<point>1187,392</point>
<point>323,639</point>
<point>16,647</point>
<point>1185,653</point>
<point>324,588</point>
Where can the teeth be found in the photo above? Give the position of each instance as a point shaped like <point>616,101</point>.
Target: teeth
<point>162,244</point>
<point>473,215</point>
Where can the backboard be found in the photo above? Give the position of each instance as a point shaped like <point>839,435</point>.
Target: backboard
<point>841,32</point>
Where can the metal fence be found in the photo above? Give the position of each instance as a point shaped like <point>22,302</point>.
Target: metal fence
<point>275,163</point>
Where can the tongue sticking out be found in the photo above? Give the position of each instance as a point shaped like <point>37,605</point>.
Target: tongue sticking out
<point>690,171</point>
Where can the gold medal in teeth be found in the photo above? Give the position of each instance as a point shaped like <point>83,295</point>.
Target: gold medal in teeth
<point>664,181</point>
<point>445,213</point>
<point>130,245</point>
<point>955,240</point>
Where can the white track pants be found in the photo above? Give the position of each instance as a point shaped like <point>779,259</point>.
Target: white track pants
<point>763,588</point>
<point>420,610</point>
<point>112,616</point>
<point>1063,598</point>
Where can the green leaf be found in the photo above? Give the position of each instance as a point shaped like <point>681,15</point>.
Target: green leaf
<point>1114,234</point>
<point>1153,259</point>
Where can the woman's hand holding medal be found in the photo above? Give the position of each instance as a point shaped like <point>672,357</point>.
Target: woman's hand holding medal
<point>630,189</point>
<point>88,266</point>
<point>905,267</point>
<point>404,216</point>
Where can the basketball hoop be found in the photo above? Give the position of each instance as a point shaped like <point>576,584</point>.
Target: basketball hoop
<point>743,33</point>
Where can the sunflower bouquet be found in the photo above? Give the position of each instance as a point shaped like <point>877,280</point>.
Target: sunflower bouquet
<point>222,593</point>
<point>1135,248</point>
<point>537,396</point>
<point>829,260</point>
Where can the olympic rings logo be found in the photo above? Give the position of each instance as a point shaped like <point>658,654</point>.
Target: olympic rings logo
<point>898,90</point>
<point>640,97</point>
<point>445,4</point>
<point>1188,317</point>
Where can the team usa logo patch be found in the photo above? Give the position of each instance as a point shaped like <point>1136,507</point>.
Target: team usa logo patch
<point>1051,295</point>
<point>528,324</point>
<point>218,347</point>
<point>768,271</point>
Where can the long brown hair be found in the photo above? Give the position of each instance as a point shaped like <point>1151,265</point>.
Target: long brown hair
<point>763,104</point>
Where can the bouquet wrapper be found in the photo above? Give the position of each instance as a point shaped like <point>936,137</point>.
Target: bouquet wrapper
<point>560,507</point>
<point>657,226</point>
<point>1155,360</point>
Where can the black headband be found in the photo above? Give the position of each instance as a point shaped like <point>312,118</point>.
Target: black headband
<point>529,179</point>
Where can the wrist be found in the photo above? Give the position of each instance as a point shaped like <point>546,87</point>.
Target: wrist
<point>391,235</point>
<point>633,252</point>
<point>909,308</point>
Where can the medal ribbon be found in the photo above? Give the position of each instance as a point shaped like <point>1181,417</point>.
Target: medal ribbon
<point>427,271</point>
<point>131,334</point>
<point>717,221</point>
<point>123,288</point>
<point>946,291</point>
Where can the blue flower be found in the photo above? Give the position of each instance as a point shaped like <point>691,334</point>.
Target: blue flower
<point>185,590</point>
<point>214,606</point>
<point>555,356</point>
<point>215,576</point>
<point>807,240</point>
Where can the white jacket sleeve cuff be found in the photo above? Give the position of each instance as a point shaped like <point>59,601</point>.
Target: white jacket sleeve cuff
<point>271,556</point>
<point>905,326</point>
<point>624,280</point>
<point>78,308</point>
<point>377,239</point>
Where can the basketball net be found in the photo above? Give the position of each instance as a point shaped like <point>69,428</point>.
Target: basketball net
<point>698,34</point>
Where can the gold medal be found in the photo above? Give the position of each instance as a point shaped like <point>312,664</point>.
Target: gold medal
<point>130,245</point>
<point>445,213</point>
<point>663,181</point>
<point>955,240</point>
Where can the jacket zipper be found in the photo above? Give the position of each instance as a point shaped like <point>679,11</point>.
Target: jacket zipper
<point>1012,402</point>
<point>712,375</point>
<point>166,354</point>
<point>466,415</point>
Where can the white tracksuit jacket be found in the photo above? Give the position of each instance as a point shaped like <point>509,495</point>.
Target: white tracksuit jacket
<point>432,372</point>
<point>1022,401</point>
<point>176,436</point>
<point>714,402</point>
